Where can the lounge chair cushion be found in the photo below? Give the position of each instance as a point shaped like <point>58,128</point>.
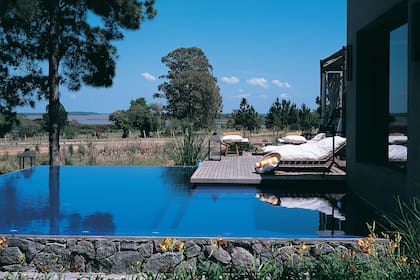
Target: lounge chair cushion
<point>313,151</point>
<point>397,139</point>
<point>317,137</point>
<point>232,138</point>
<point>397,153</point>
<point>294,139</point>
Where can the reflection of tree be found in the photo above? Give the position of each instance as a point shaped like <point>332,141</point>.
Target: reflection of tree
<point>178,178</point>
<point>99,224</point>
<point>54,199</point>
<point>74,226</point>
<point>17,212</point>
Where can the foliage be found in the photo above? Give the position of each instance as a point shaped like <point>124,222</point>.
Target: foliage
<point>246,117</point>
<point>145,118</point>
<point>36,33</point>
<point>61,121</point>
<point>8,119</point>
<point>284,115</point>
<point>187,150</point>
<point>281,115</point>
<point>121,121</point>
<point>190,89</point>
<point>407,224</point>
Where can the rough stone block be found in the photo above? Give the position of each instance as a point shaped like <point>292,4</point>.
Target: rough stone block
<point>11,255</point>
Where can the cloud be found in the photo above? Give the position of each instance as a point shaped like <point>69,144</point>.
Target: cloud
<point>258,82</point>
<point>148,76</point>
<point>284,96</point>
<point>230,80</point>
<point>73,96</point>
<point>281,84</point>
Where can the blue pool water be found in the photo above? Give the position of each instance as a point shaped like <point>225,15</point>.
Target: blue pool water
<point>150,201</point>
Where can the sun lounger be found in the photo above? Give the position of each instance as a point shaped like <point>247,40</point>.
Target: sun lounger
<point>312,156</point>
<point>232,142</point>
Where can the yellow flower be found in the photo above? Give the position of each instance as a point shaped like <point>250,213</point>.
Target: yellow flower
<point>403,259</point>
<point>180,246</point>
<point>165,244</point>
<point>221,242</point>
<point>303,247</point>
<point>2,240</point>
<point>361,242</point>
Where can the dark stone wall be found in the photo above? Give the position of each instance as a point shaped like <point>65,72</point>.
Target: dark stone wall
<point>134,255</point>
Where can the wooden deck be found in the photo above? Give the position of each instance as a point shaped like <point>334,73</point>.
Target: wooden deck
<point>240,170</point>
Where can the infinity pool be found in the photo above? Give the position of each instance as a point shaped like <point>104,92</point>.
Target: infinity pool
<point>153,201</point>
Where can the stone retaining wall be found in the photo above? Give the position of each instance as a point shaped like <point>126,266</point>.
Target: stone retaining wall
<point>132,255</point>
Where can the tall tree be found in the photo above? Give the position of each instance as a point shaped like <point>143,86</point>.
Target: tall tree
<point>306,118</point>
<point>140,116</point>
<point>246,117</point>
<point>273,119</point>
<point>36,33</point>
<point>190,89</point>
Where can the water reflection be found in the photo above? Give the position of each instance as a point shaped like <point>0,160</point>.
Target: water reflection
<point>161,201</point>
<point>54,199</point>
<point>328,206</point>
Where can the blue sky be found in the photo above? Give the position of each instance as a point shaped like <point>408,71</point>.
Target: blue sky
<point>259,50</point>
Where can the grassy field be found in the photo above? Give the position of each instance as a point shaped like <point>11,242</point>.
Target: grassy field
<point>110,149</point>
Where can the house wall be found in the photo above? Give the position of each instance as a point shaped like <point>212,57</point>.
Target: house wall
<point>369,24</point>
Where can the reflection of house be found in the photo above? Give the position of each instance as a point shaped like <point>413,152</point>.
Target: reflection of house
<point>383,81</point>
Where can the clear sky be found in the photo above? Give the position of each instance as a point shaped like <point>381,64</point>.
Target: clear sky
<point>259,50</point>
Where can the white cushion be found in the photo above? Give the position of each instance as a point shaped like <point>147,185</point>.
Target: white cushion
<point>397,139</point>
<point>397,153</point>
<point>294,139</point>
<point>317,137</point>
<point>232,138</point>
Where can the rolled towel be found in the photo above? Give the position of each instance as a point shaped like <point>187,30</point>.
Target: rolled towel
<point>266,164</point>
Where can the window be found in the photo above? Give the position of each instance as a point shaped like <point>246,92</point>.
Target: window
<point>398,103</point>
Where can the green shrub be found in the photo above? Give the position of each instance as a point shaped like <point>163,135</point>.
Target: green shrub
<point>407,223</point>
<point>187,150</point>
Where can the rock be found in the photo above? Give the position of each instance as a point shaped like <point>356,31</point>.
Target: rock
<point>218,254</point>
<point>243,259</point>
<point>129,245</point>
<point>188,265</point>
<point>15,268</point>
<point>262,250</point>
<point>100,265</point>
<point>321,249</point>
<point>165,262</point>
<point>71,244</point>
<point>78,264</point>
<point>49,262</point>
<point>28,247</point>
<point>84,248</point>
<point>104,248</point>
<point>55,248</point>
<point>11,255</point>
<point>283,254</point>
<point>192,249</point>
<point>246,244</point>
<point>146,249</point>
<point>124,261</point>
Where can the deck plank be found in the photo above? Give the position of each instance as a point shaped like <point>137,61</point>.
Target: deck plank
<point>240,170</point>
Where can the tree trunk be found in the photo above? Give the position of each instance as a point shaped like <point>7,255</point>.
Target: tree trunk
<point>53,81</point>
